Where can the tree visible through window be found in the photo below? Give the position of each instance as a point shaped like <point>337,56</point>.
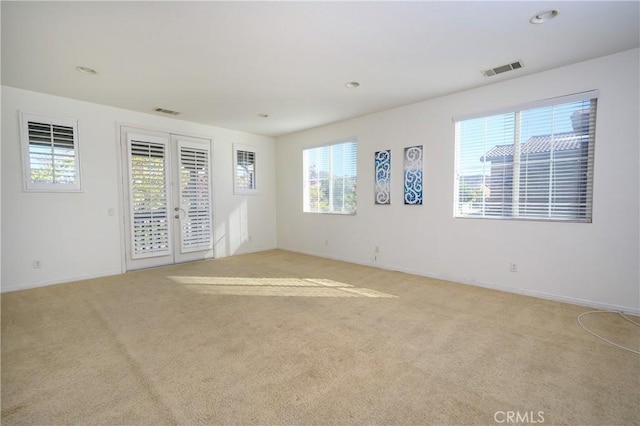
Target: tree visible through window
<point>330,178</point>
<point>532,163</point>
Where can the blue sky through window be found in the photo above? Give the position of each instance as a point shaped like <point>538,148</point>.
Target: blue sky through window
<point>342,159</point>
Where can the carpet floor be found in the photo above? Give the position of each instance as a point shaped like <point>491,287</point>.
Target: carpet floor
<point>279,338</point>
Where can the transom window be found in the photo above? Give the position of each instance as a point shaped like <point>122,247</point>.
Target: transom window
<point>330,178</point>
<point>534,162</point>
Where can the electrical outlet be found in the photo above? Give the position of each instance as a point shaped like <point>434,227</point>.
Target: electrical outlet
<point>326,242</point>
<point>376,249</point>
<point>513,267</point>
<point>37,264</point>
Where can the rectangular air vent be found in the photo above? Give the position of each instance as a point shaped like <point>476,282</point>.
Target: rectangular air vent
<point>166,111</point>
<point>502,68</point>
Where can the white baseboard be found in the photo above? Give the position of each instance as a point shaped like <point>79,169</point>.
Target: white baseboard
<point>549,296</point>
<point>525,292</point>
<point>10,288</point>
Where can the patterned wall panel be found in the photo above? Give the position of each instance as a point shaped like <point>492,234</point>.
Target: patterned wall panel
<point>383,177</point>
<point>413,174</point>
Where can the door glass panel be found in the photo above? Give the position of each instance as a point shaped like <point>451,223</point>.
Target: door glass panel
<point>195,199</point>
<point>149,204</point>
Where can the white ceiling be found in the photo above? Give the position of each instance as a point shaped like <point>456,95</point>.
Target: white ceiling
<point>223,63</point>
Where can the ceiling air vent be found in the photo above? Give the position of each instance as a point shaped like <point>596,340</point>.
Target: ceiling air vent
<point>502,68</point>
<point>166,111</point>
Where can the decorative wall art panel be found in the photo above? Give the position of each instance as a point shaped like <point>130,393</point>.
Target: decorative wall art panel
<point>413,175</point>
<point>383,177</point>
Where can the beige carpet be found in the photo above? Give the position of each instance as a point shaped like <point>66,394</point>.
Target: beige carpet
<point>283,338</point>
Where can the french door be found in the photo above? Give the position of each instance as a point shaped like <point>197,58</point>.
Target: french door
<point>167,190</point>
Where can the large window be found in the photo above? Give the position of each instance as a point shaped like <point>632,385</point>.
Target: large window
<point>329,181</point>
<point>534,162</point>
<point>50,153</point>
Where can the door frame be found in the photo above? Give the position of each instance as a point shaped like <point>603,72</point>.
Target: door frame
<point>175,143</point>
<point>122,129</point>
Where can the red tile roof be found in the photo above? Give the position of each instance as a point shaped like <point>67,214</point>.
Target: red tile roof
<point>539,144</point>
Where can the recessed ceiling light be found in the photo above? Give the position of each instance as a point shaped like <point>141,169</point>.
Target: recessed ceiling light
<point>352,84</point>
<point>263,115</point>
<point>544,16</point>
<point>86,70</point>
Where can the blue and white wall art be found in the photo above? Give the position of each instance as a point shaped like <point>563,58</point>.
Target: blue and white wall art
<point>413,175</point>
<point>383,177</point>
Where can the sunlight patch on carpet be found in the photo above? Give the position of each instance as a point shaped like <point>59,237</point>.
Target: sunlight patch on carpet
<point>296,287</point>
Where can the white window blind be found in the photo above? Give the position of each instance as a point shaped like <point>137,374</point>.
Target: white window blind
<point>148,183</point>
<point>531,163</point>
<point>195,198</point>
<point>50,151</point>
<point>330,178</point>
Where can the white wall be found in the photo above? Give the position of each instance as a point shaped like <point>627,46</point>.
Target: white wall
<point>594,264</point>
<point>72,234</point>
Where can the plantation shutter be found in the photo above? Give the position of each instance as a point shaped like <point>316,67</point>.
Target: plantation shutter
<point>533,163</point>
<point>245,170</point>
<point>195,197</point>
<point>51,153</point>
<point>149,209</point>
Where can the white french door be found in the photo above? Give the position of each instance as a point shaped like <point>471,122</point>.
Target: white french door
<point>167,190</point>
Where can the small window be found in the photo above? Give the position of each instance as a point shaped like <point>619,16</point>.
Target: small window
<point>329,181</point>
<point>533,162</point>
<point>50,153</point>
<point>244,168</point>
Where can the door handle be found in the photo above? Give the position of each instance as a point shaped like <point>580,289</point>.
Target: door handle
<point>178,210</point>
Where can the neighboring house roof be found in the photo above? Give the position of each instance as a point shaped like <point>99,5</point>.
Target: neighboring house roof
<point>539,144</point>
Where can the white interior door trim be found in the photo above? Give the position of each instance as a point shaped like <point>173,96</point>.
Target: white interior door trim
<point>187,212</point>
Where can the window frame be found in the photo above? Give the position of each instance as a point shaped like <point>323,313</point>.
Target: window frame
<point>330,178</point>
<point>28,185</point>
<point>238,189</point>
<point>582,212</point>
